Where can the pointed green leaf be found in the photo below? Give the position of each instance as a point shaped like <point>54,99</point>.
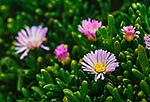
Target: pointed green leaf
<point>143,58</point>
<point>138,20</point>
<point>39,77</point>
<point>133,18</point>
<point>60,83</point>
<point>138,13</point>
<point>25,92</point>
<point>141,94</point>
<point>102,33</point>
<point>109,87</point>
<point>109,99</point>
<point>19,82</point>
<point>74,67</point>
<point>123,44</point>
<point>145,17</point>
<point>83,75</point>
<point>119,78</point>
<point>126,81</point>
<point>129,91</point>
<point>117,47</point>
<point>111,26</point>
<point>120,88</point>
<point>122,24</point>
<point>143,9</point>
<point>87,99</point>
<point>125,18</point>
<point>144,100</point>
<point>129,65</point>
<point>78,95</point>
<point>47,76</point>
<point>138,74</point>
<point>71,80</point>
<point>64,75</point>
<point>147,71</point>
<point>130,10</point>
<point>123,65</point>
<point>51,94</point>
<point>70,95</point>
<point>52,87</point>
<point>118,37</point>
<point>135,43</point>
<point>101,99</point>
<point>53,70</point>
<point>116,95</point>
<point>126,74</point>
<point>145,87</point>
<point>84,88</point>
<point>38,90</point>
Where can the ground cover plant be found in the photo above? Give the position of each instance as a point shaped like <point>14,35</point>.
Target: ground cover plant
<point>74,51</point>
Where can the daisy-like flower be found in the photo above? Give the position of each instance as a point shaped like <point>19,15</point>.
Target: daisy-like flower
<point>147,41</point>
<point>99,63</point>
<point>62,53</point>
<point>129,33</point>
<point>29,39</point>
<point>89,28</point>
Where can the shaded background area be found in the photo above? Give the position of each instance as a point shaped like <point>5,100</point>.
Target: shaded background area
<point>61,17</point>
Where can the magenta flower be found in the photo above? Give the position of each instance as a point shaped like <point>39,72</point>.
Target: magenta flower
<point>61,52</point>
<point>147,41</point>
<point>29,39</point>
<point>99,63</point>
<point>129,33</point>
<point>89,28</point>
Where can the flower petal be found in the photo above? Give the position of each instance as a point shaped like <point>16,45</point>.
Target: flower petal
<point>24,54</point>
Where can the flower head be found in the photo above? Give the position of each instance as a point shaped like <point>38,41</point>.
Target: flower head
<point>89,28</point>
<point>61,52</point>
<point>29,39</point>
<point>99,63</point>
<point>147,41</point>
<point>129,33</point>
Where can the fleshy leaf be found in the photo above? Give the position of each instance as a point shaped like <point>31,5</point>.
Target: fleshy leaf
<point>111,26</point>
<point>70,95</point>
<point>145,87</point>
<point>143,58</point>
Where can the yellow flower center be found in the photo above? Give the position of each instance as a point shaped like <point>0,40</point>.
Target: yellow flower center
<point>100,67</point>
<point>128,38</point>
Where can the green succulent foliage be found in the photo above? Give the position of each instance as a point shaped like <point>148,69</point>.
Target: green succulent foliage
<point>41,77</point>
<point>130,82</point>
<point>64,86</point>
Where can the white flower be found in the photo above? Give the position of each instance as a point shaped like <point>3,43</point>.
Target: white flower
<point>99,63</point>
<point>29,39</point>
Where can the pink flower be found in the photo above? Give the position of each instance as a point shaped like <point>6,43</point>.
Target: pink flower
<point>147,41</point>
<point>129,33</point>
<point>29,39</point>
<point>89,28</point>
<point>99,63</point>
<point>61,52</point>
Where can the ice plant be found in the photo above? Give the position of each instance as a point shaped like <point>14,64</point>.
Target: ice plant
<point>99,63</point>
<point>129,33</point>
<point>147,41</point>
<point>89,28</point>
<point>62,53</point>
<point>29,39</point>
